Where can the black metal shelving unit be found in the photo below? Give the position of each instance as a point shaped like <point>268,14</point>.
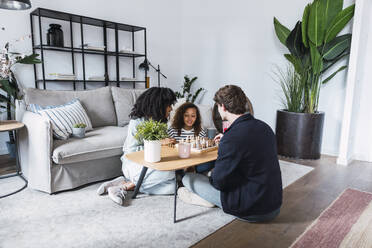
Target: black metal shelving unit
<point>41,13</point>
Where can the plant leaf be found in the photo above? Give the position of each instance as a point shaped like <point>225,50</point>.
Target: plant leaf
<point>5,85</point>
<point>331,8</point>
<point>316,23</point>
<point>329,64</point>
<point>30,59</point>
<point>294,41</point>
<point>281,31</point>
<point>336,47</point>
<point>339,22</point>
<point>196,94</point>
<point>305,21</point>
<point>294,61</point>
<point>316,59</point>
<point>334,74</point>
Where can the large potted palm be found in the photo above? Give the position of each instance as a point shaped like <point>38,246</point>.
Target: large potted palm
<point>314,47</point>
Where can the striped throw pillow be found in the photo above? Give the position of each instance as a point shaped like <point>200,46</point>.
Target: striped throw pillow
<point>64,117</point>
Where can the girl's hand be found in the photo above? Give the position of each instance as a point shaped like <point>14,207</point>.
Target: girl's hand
<point>218,138</point>
<point>167,141</point>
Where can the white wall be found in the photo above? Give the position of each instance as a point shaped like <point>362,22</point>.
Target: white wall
<point>362,120</point>
<point>233,42</point>
<point>161,18</point>
<point>221,42</point>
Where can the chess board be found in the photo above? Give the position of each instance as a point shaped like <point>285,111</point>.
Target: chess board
<point>202,150</point>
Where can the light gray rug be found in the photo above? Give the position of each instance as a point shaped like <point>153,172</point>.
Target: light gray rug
<point>80,218</point>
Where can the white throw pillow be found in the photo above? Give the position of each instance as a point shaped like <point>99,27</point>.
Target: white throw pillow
<point>64,117</point>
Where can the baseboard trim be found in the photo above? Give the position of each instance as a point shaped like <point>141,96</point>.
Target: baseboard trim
<point>344,161</point>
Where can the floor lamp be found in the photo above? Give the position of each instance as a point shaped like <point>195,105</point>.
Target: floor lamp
<point>145,65</point>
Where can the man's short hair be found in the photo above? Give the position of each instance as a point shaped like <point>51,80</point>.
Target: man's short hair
<point>233,98</point>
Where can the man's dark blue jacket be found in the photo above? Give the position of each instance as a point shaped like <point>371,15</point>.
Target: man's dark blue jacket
<point>247,169</point>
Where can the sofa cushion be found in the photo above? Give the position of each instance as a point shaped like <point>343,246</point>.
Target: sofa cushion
<point>64,117</point>
<point>102,142</point>
<point>124,100</point>
<point>98,102</point>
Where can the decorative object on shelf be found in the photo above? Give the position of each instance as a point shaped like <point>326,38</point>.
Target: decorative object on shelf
<point>78,130</point>
<point>55,36</point>
<point>186,90</point>
<point>77,24</point>
<point>150,132</point>
<point>93,47</point>
<point>314,47</point>
<point>15,4</point>
<point>62,76</point>
<point>9,84</point>
<point>145,65</point>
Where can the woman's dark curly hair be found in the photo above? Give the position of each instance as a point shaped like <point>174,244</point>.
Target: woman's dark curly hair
<point>178,122</point>
<point>153,103</point>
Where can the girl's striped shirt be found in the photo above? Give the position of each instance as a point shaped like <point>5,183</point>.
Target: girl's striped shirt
<point>173,133</point>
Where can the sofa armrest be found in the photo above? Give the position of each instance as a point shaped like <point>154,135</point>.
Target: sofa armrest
<point>35,143</point>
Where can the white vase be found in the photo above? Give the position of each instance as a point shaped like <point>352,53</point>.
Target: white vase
<point>152,150</point>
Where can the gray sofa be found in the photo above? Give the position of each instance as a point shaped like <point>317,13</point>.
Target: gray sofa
<point>54,165</point>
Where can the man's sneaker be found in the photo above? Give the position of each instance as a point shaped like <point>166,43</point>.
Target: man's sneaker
<point>104,186</point>
<point>189,197</point>
<point>117,194</point>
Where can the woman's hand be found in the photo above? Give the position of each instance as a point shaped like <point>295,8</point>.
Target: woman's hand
<point>167,141</point>
<point>218,138</point>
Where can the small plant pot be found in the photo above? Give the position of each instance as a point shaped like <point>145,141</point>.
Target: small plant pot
<point>78,132</point>
<point>152,150</point>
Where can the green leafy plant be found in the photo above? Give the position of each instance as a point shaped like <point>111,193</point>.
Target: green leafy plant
<point>315,47</point>
<point>80,125</point>
<point>186,90</point>
<point>292,85</point>
<point>8,82</point>
<point>151,130</point>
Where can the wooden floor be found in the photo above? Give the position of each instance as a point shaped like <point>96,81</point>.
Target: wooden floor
<point>303,201</point>
<point>7,165</point>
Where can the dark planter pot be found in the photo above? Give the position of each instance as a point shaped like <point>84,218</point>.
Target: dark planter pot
<point>299,135</point>
<point>11,149</point>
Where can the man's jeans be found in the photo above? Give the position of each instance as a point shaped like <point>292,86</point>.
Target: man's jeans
<point>200,185</point>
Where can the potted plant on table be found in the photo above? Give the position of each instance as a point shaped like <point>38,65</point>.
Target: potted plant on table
<point>314,48</point>
<point>9,85</point>
<point>151,132</point>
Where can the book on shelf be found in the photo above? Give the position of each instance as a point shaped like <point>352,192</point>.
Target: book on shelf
<point>62,76</point>
<point>97,78</point>
<point>128,79</point>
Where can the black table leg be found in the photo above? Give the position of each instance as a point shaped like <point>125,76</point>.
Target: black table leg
<point>178,175</point>
<point>139,183</point>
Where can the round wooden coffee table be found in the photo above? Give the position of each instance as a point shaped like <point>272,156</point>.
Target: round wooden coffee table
<point>13,126</point>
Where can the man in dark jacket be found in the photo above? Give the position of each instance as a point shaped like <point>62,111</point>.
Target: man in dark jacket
<point>246,180</point>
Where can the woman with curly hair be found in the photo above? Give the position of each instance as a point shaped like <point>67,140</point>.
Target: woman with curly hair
<point>155,103</point>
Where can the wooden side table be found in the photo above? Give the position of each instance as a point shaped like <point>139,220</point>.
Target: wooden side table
<point>170,162</point>
<point>13,126</point>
